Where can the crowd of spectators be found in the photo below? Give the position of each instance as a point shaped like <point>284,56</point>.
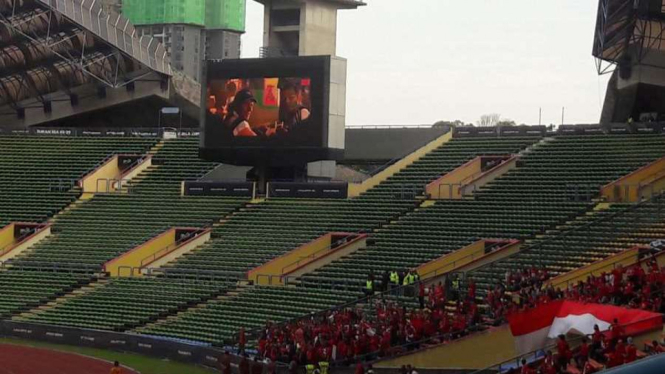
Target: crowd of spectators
<point>384,327</point>
<point>444,311</point>
<point>631,287</point>
<point>598,351</point>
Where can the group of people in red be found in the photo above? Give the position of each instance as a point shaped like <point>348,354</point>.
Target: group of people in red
<point>346,335</point>
<point>604,350</point>
<point>632,287</point>
<point>445,312</point>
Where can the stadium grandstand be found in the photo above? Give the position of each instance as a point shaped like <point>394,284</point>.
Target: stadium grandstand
<point>508,249</point>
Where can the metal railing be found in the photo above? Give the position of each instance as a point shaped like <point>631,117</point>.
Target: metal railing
<point>320,253</point>
<point>48,266</point>
<point>642,255</point>
<point>117,184</point>
<point>452,265</point>
<point>62,184</point>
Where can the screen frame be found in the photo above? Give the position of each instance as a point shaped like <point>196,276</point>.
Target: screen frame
<point>316,68</point>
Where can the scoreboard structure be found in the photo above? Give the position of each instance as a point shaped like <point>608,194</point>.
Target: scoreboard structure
<point>274,112</point>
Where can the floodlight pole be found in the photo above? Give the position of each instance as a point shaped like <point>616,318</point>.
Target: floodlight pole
<point>540,116</point>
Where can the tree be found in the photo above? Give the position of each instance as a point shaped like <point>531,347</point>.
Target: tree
<point>453,124</point>
<point>489,120</point>
<point>506,122</point>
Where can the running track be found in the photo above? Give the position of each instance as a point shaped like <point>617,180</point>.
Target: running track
<point>27,360</point>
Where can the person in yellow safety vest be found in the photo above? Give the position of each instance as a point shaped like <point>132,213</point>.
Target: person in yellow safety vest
<point>369,287</point>
<point>309,369</point>
<point>408,280</point>
<point>456,288</point>
<point>394,282</point>
<point>394,277</point>
<point>323,367</point>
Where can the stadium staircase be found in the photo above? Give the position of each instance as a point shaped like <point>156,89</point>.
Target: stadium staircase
<point>356,189</point>
<point>411,181</point>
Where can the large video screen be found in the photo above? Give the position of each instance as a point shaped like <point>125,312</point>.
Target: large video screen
<point>273,111</point>
<point>255,111</point>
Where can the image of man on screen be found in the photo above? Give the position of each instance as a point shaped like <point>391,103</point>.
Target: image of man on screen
<point>239,114</point>
<point>292,113</point>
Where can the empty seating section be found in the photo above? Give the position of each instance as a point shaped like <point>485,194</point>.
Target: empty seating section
<point>412,180</point>
<point>128,302</point>
<point>37,172</point>
<point>108,225</point>
<point>546,198</point>
<point>582,242</point>
<point>441,229</point>
<point>221,319</point>
<point>573,166</point>
<point>176,161</point>
<point>264,231</point>
<point>548,194</point>
<point>26,289</point>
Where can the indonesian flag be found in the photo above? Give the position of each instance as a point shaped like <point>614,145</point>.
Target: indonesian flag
<point>534,328</point>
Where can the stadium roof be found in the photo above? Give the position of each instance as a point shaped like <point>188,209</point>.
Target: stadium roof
<point>49,46</point>
<point>343,4</point>
<point>628,31</point>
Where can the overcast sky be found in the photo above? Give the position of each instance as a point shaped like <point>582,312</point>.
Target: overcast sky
<point>420,61</point>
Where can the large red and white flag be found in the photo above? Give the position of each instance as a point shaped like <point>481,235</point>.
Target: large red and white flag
<point>533,329</point>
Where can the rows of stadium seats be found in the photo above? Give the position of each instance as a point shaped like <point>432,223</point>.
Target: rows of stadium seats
<point>108,225</point>
<point>411,181</point>
<point>583,242</point>
<point>250,238</point>
<point>176,161</point>
<point>573,166</point>
<point>125,303</point>
<point>264,231</point>
<point>500,212</point>
<point>24,289</point>
<point>36,172</point>
<point>221,319</point>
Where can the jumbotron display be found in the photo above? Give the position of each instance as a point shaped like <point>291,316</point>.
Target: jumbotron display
<point>280,112</point>
<point>262,109</point>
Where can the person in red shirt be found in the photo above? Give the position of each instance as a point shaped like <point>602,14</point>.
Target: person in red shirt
<point>526,369</point>
<point>614,360</point>
<point>616,333</point>
<point>563,353</point>
<point>242,339</point>
<point>548,365</point>
<point>620,348</point>
<point>656,348</point>
<point>225,363</point>
<point>421,295</point>
<point>631,351</point>
<point>583,353</point>
<point>472,290</point>
<point>588,368</point>
<point>359,368</point>
<point>596,342</point>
